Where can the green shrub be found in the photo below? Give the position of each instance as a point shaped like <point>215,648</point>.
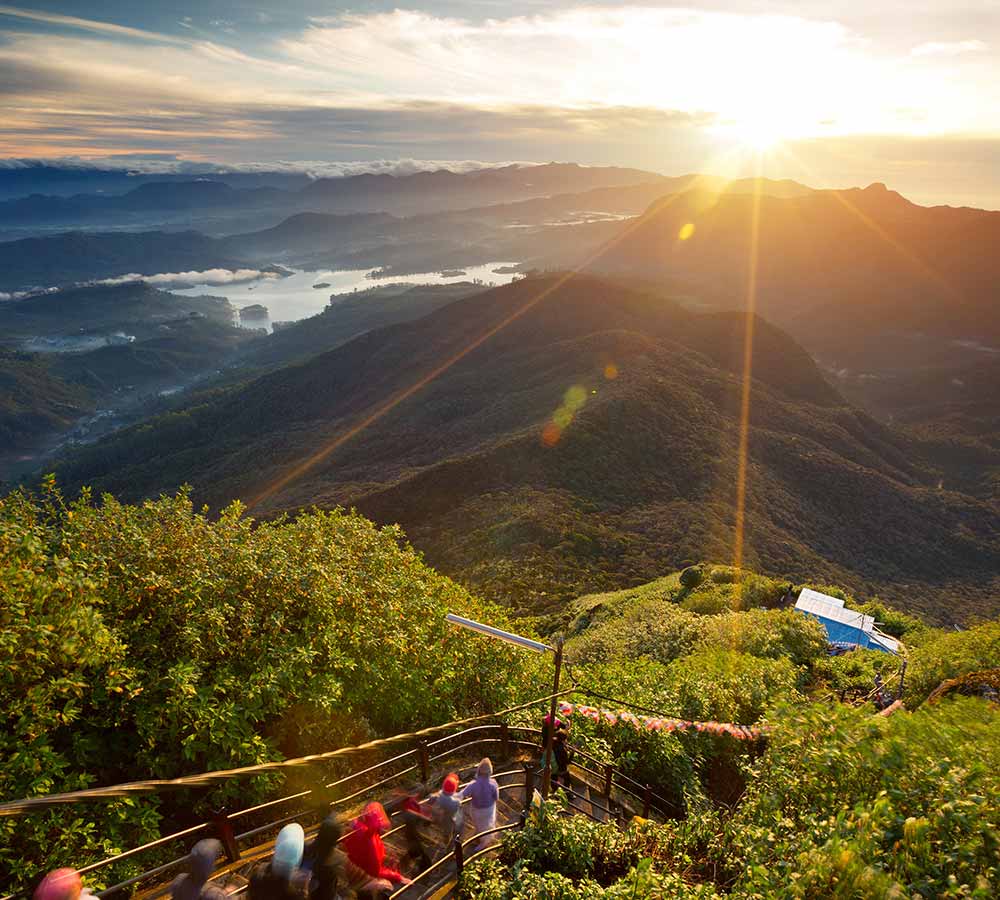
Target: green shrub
<point>847,804</point>
<point>200,645</point>
<point>728,686</point>
<point>725,574</point>
<point>654,628</point>
<point>893,621</point>
<point>944,655</point>
<point>573,858</point>
<point>853,671</point>
<point>770,633</point>
<point>692,576</point>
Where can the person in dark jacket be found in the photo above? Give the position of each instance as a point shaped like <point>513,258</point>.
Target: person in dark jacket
<point>335,876</point>
<point>201,864</point>
<point>414,820</point>
<point>563,755</point>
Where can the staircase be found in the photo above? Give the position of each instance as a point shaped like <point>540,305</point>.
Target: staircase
<point>582,798</point>
<point>597,790</point>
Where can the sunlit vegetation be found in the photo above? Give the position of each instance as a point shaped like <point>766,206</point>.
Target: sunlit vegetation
<point>836,802</point>
<point>840,804</point>
<point>155,641</point>
<point>150,641</point>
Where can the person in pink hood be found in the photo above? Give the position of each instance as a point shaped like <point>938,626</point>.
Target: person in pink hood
<point>62,884</point>
<point>364,845</point>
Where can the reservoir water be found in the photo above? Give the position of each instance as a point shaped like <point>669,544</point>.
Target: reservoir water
<point>294,297</point>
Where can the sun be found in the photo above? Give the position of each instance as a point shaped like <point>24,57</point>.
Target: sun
<point>758,132</point>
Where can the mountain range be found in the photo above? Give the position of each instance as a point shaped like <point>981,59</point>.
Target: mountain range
<point>571,433</point>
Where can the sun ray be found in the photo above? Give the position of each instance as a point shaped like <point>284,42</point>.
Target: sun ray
<point>742,462</point>
<point>335,443</point>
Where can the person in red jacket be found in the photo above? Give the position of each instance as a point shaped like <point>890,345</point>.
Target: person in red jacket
<point>364,845</point>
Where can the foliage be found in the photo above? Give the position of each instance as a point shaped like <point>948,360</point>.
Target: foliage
<point>729,686</point>
<point>692,576</point>
<point>944,655</point>
<point>205,644</point>
<point>846,804</point>
<point>657,629</point>
<point>770,633</point>
<point>854,671</point>
<point>841,804</point>
<point>573,859</point>
<point>894,622</point>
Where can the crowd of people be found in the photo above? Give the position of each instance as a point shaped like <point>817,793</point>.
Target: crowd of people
<point>341,862</point>
<point>354,865</point>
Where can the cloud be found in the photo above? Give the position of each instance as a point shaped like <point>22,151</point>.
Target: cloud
<point>647,86</point>
<point>156,164</point>
<point>106,28</point>
<point>208,276</point>
<point>948,48</point>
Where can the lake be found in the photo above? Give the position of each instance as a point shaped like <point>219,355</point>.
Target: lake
<point>294,297</point>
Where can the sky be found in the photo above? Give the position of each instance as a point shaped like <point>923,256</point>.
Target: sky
<point>837,93</point>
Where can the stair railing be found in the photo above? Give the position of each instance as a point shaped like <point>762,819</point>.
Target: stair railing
<point>419,761</point>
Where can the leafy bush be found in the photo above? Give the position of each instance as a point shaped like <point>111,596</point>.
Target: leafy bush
<point>893,621</point>
<point>945,655</point>
<point>770,633</point>
<point>854,671</point>
<point>728,686</point>
<point>847,804</point>
<point>692,576</point>
<point>573,858</point>
<point>206,644</point>
<point>654,628</point>
<point>725,574</point>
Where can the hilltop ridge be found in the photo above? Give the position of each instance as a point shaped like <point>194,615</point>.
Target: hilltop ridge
<point>588,444</point>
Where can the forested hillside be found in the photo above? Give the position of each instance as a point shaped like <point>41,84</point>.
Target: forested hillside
<point>589,443</point>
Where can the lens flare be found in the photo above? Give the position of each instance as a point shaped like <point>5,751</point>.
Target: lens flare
<point>551,434</point>
<point>686,231</point>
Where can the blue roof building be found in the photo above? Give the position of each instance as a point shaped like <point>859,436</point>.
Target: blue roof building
<point>845,628</point>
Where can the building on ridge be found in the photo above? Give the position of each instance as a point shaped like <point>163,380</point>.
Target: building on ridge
<point>846,628</point>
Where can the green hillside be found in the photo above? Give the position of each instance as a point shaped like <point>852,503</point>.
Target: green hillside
<point>836,802</point>
<point>33,400</point>
<point>203,643</point>
<point>638,477</point>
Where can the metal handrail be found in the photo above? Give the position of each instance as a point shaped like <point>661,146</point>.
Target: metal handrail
<point>157,843</point>
<point>445,859</point>
<point>509,738</point>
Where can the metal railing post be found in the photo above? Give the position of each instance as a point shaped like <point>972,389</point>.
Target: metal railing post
<point>425,762</point>
<point>504,740</point>
<point>547,759</point>
<point>609,773</point>
<point>224,830</point>
<point>459,855</point>
<point>646,801</point>
<point>529,785</point>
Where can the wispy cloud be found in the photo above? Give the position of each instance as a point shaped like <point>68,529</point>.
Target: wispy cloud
<point>948,48</point>
<point>650,86</point>
<point>93,25</point>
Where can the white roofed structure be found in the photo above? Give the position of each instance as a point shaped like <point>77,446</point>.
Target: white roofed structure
<point>843,625</point>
